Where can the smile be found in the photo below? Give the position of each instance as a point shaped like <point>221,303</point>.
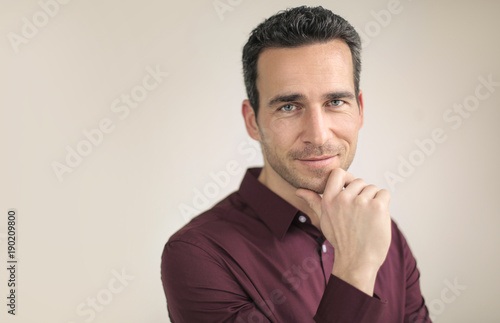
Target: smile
<point>317,162</point>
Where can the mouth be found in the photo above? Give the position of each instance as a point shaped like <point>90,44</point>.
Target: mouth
<point>317,162</point>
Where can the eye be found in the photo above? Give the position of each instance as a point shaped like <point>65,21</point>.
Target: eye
<point>336,103</point>
<point>288,108</point>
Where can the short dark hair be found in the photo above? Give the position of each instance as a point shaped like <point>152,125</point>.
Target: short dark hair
<point>293,28</point>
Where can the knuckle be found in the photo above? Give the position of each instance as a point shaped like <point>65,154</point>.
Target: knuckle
<point>379,205</point>
<point>385,192</point>
<point>360,200</point>
<point>360,180</point>
<point>343,198</point>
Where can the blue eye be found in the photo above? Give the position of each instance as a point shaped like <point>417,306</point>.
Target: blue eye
<point>336,103</point>
<point>288,107</point>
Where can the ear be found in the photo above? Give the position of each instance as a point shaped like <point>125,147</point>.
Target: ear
<point>360,99</point>
<point>250,120</point>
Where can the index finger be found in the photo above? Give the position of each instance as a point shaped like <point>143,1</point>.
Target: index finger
<point>384,196</point>
<point>337,180</point>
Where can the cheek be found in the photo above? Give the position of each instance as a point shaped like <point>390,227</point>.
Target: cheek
<point>346,127</point>
<point>281,134</point>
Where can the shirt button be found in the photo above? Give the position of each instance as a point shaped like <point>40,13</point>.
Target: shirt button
<point>324,248</point>
<point>302,219</point>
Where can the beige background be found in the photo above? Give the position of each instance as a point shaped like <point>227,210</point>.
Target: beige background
<point>116,210</point>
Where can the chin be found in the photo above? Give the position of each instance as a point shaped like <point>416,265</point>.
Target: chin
<point>316,185</point>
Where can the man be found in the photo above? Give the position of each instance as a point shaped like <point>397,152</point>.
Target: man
<point>302,240</point>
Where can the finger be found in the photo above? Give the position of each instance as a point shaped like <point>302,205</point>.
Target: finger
<point>312,199</point>
<point>355,187</point>
<point>335,183</point>
<point>370,191</point>
<point>383,195</point>
<point>348,178</point>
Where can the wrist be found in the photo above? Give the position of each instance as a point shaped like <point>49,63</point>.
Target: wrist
<point>362,278</point>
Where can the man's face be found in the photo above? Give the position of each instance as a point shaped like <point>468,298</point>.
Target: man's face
<point>308,118</point>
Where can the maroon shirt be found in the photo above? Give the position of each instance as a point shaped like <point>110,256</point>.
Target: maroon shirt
<point>253,257</point>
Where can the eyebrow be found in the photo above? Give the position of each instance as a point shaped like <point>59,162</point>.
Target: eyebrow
<point>294,97</point>
<point>286,98</point>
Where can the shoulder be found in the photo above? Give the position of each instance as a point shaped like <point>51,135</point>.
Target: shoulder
<point>398,238</point>
<point>400,251</point>
<point>397,235</point>
<point>225,223</point>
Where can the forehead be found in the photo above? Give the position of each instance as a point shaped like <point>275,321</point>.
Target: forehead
<point>312,69</point>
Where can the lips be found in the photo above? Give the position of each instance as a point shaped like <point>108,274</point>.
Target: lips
<point>317,162</point>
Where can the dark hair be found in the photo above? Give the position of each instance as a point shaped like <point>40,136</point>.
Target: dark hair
<point>293,28</point>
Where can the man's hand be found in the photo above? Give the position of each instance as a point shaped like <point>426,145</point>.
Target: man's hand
<point>354,218</point>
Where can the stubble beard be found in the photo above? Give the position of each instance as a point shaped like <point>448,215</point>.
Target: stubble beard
<point>316,178</point>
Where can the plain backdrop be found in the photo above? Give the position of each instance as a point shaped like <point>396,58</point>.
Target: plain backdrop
<point>84,221</point>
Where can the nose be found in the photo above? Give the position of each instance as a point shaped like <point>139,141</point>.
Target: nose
<point>315,126</point>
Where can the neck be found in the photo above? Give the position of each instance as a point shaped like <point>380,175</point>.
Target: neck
<point>272,180</point>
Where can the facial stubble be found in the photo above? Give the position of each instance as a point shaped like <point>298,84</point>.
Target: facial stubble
<point>316,178</point>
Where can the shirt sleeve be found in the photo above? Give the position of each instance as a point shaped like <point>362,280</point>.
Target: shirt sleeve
<point>344,303</point>
<point>415,308</point>
<point>205,292</point>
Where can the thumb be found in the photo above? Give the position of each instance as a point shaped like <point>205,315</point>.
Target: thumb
<point>312,199</point>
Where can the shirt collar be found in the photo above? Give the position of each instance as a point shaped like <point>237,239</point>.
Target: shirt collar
<point>273,210</point>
